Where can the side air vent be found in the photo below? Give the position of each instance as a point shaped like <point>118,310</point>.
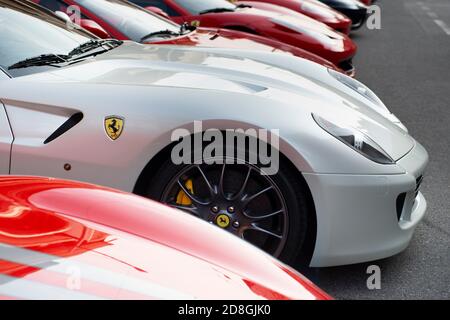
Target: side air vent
<point>66,126</point>
<point>400,204</point>
<point>419,181</point>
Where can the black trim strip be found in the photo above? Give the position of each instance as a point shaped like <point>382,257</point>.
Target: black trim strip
<point>66,126</point>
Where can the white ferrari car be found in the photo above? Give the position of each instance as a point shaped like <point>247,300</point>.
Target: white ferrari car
<point>105,111</point>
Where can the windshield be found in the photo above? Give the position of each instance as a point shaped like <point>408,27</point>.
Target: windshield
<point>24,36</point>
<point>133,22</point>
<point>196,7</point>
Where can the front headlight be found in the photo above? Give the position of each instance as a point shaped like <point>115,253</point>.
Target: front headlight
<point>357,86</point>
<point>356,140</point>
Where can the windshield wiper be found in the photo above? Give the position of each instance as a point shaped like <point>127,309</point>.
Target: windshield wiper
<point>94,44</point>
<point>216,10</point>
<point>166,32</point>
<point>42,60</point>
<point>52,59</point>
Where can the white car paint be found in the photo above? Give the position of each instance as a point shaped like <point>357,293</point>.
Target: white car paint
<point>160,88</point>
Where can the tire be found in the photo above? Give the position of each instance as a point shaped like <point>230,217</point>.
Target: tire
<point>295,197</point>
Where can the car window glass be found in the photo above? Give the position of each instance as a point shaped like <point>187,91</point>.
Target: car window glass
<point>22,37</point>
<point>156,3</point>
<point>133,22</point>
<point>57,5</point>
<point>53,5</point>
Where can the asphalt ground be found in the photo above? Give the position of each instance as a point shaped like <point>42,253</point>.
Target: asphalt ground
<point>407,63</point>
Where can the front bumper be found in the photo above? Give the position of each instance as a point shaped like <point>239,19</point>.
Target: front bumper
<point>358,217</point>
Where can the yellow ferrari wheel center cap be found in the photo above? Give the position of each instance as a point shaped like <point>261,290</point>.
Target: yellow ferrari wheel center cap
<point>222,220</point>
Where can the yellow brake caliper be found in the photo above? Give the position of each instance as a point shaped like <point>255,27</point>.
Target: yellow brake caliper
<point>182,197</point>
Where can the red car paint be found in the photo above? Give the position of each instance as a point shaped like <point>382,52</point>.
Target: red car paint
<point>314,36</point>
<point>366,2</point>
<point>202,37</point>
<point>122,246</point>
<point>313,9</point>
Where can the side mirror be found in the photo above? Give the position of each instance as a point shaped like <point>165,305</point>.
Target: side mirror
<point>158,11</point>
<point>94,27</point>
<point>63,15</point>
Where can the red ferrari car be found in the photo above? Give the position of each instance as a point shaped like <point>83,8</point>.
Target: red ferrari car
<point>69,240</point>
<point>125,21</point>
<point>300,31</point>
<point>310,8</point>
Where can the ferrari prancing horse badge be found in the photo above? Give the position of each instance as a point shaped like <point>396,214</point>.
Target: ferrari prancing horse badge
<point>114,126</point>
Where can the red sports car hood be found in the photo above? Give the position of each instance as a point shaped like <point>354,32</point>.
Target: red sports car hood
<point>230,39</point>
<point>310,8</point>
<point>69,240</point>
<point>298,22</point>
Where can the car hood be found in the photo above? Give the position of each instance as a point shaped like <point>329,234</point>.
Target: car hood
<point>297,21</point>
<point>69,240</point>
<point>231,39</point>
<point>281,78</point>
<point>309,8</point>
